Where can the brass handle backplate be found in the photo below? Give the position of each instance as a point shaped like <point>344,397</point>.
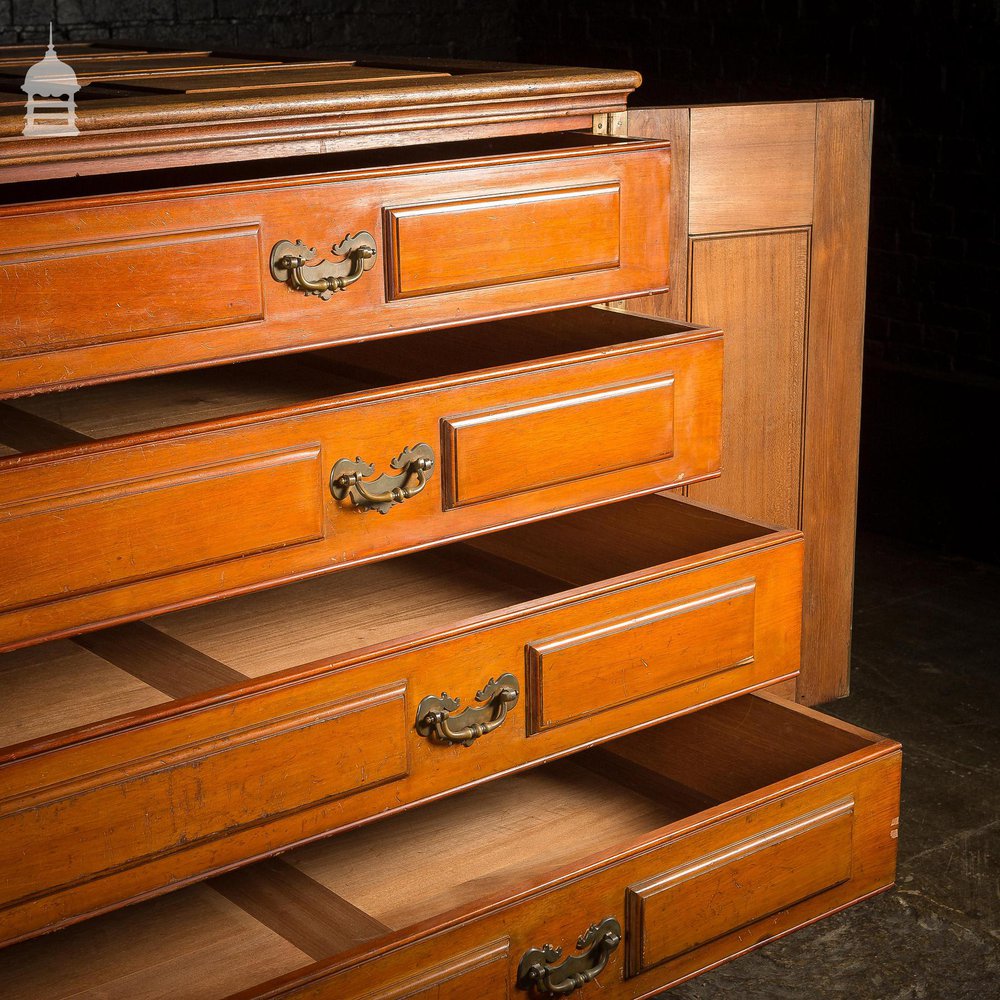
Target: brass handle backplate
<point>288,265</point>
<point>414,467</point>
<point>539,971</point>
<point>435,721</point>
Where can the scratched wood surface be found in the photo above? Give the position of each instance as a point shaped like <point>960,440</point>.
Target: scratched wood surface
<point>143,108</point>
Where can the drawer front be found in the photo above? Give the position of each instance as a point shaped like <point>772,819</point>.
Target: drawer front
<point>146,523</point>
<point>185,277</point>
<point>203,776</point>
<point>319,757</point>
<point>125,528</point>
<point>682,905</point>
<point>108,305</point>
<point>482,972</point>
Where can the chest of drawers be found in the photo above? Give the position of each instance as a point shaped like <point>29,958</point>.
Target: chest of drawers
<point>374,619</point>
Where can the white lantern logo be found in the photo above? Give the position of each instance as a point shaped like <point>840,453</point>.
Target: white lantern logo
<point>51,87</point>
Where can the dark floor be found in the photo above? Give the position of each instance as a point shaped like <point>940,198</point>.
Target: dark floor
<point>926,671</point>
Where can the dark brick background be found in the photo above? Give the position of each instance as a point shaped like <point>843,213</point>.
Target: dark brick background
<point>932,385</point>
<point>485,29</point>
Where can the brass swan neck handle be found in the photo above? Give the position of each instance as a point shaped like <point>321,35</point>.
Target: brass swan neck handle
<point>288,265</point>
<point>414,465</point>
<point>436,721</point>
<point>541,971</point>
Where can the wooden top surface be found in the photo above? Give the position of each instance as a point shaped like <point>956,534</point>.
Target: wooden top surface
<point>144,108</point>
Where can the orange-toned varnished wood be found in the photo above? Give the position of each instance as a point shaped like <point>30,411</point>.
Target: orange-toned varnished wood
<point>318,721</point>
<point>568,230</point>
<point>769,208</point>
<point>129,525</point>
<point>449,914</point>
<point>182,277</point>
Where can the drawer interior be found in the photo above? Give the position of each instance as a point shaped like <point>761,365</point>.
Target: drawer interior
<point>394,158</point>
<point>114,676</point>
<point>484,845</point>
<point>63,419</point>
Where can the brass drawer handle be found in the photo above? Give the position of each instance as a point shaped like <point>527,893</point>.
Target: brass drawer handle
<point>538,971</point>
<point>435,721</point>
<point>415,466</point>
<point>288,265</point>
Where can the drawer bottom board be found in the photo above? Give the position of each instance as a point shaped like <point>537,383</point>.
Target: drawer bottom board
<point>749,818</point>
<point>257,724</point>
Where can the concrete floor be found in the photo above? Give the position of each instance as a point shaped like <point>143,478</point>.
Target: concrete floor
<point>926,671</point>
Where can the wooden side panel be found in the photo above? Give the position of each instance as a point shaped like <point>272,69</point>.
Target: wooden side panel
<point>639,655</point>
<point>755,287</point>
<point>737,885</point>
<point>559,438</point>
<point>133,286</point>
<point>447,246</point>
<point>217,779</point>
<point>833,392</point>
<point>751,167</point>
<point>775,238</point>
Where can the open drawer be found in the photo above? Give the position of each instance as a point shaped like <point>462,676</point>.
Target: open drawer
<point>647,860</point>
<point>162,751</point>
<point>141,281</point>
<point>136,497</point>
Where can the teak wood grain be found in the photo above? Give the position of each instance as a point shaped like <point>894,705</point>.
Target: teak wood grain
<point>331,743</point>
<point>833,390</point>
<point>119,528</point>
<point>751,167</point>
<point>815,796</point>
<point>769,209</point>
<point>638,777</point>
<point>576,225</point>
<point>756,287</point>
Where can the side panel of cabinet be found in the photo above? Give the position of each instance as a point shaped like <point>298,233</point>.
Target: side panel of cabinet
<point>769,222</point>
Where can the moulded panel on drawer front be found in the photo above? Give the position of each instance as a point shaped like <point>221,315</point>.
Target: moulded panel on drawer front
<point>506,238</point>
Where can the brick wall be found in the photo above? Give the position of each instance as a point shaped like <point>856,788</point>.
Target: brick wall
<point>474,28</point>
<point>932,68</point>
<point>932,379</point>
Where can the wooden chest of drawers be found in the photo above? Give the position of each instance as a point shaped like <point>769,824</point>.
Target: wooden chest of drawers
<point>349,643</point>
